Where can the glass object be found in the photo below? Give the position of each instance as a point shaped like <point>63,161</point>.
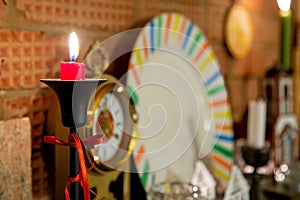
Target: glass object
<point>288,175</point>
<point>174,191</point>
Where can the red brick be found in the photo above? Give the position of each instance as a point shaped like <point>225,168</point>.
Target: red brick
<point>80,14</point>
<point>16,106</point>
<point>4,65</point>
<point>16,67</point>
<point>4,52</point>
<point>37,102</point>
<point>191,9</point>
<point>38,127</point>
<point>4,82</point>
<point>15,82</point>
<point>16,51</point>
<point>4,35</point>
<point>27,82</point>
<point>15,36</point>
<point>22,50</point>
<point>27,103</point>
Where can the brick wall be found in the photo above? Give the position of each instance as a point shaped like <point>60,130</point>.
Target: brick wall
<point>33,39</point>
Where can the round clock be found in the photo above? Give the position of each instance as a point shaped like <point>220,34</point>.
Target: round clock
<point>112,113</point>
<point>238,31</point>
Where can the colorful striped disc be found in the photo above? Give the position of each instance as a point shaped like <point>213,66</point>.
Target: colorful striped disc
<point>180,96</point>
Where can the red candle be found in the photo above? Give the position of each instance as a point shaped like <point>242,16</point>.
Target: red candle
<point>72,70</point>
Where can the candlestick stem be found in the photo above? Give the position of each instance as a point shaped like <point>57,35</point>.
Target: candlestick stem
<point>74,168</point>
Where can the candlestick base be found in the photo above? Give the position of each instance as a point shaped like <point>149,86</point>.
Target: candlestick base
<point>256,158</point>
<point>73,96</point>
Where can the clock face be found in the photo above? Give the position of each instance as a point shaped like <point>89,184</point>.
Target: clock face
<point>111,113</point>
<point>109,120</point>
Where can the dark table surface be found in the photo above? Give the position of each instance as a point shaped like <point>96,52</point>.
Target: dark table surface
<point>273,191</point>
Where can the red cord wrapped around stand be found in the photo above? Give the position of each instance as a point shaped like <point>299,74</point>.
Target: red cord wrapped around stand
<point>82,176</point>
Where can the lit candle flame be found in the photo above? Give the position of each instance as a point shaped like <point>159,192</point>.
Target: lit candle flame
<point>73,46</point>
<point>284,5</point>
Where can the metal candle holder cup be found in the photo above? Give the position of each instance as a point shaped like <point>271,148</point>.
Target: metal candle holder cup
<point>256,158</point>
<point>73,96</point>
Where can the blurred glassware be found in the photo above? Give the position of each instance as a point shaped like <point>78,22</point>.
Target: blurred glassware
<point>288,175</point>
<point>174,191</point>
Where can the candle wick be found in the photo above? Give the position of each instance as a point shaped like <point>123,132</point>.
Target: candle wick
<point>73,58</point>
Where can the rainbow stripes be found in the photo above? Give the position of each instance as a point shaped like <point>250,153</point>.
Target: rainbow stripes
<point>176,32</point>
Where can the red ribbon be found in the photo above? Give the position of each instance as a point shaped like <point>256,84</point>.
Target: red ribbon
<point>81,177</point>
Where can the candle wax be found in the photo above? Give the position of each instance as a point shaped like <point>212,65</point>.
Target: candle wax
<point>72,71</point>
<point>286,23</point>
<point>256,126</point>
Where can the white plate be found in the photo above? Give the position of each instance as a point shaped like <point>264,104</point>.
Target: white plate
<point>180,96</point>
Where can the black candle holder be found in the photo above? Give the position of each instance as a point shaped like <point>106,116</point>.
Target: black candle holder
<point>256,158</point>
<point>73,96</point>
